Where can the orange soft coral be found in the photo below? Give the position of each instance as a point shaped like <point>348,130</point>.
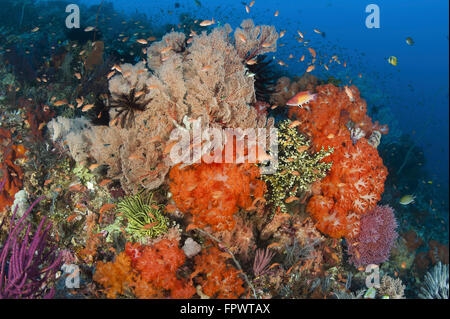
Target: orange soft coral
<point>326,118</point>
<point>157,266</point>
<point>356,180</point>
<point>146,272</point>
<point>9,170</point>
<point>354,185</point>
<point>216,277</point>
<point>116,276</point>
<point>213,193</point>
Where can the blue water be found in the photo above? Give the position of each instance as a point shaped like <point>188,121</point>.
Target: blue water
<point>416,90</point>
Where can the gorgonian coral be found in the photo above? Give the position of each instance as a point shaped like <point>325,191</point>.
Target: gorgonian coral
<point>10,171</point>
<point>206,79</point>
<point>214,192</point>
<point>27,261</point>
<point>376,237</point>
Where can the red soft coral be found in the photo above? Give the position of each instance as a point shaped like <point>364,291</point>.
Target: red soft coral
<point>9,170</point>
<point>158,265</point>
<point>326,118</point>
<point>146,271</point>
<point>217,278</point>
<point>356,180</point>
<point>213,193</point>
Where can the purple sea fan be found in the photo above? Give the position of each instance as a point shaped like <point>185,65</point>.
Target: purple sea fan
<point>376,237</point>
<point>27,263</point>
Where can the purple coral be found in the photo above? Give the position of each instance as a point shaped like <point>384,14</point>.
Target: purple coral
<point>376,237</point>
<point>26,265</point>
<point>262,260</point>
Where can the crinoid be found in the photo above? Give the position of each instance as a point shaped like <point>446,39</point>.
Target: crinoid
<point>126,106</point>
<point>265,79</point>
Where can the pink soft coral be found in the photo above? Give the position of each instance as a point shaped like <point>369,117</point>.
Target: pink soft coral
<point>376,237</point>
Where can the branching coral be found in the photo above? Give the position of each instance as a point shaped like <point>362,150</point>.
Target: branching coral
<point>298,167</point>
<point>393,288</point>
<point>10,171</point>
<point>213,193</point>
<point>27,262</point>
<point>206,80</point>
<point>217,279</point>
<point>376,237</point>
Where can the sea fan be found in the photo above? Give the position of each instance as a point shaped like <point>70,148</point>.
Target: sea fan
<point>26,264</point>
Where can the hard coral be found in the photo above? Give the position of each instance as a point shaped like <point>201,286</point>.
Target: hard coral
<point>9,169</point>
<point>214,192</point>
<point>298,167</point>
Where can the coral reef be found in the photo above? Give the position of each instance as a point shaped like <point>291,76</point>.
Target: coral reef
<point>356,180</point>
<point>145,272</point>
<point>198,81</point>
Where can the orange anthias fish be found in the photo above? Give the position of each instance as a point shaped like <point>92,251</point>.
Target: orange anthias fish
<point>206,23</point>
<point>301,98</point>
